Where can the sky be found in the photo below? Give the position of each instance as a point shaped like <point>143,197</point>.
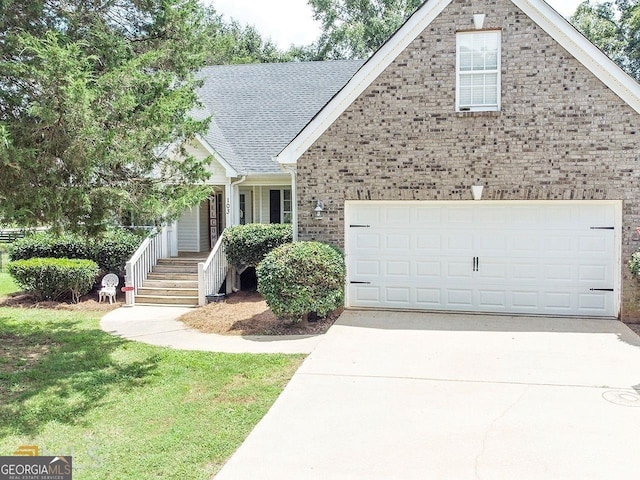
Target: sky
<point>290,22</point>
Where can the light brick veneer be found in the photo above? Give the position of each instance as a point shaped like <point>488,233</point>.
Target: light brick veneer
<point>561,133</point>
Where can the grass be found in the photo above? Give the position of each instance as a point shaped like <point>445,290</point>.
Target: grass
<point>7,285</point>
<point>124,409</point>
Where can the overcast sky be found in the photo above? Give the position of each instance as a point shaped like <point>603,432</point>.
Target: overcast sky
<point>289,22</point>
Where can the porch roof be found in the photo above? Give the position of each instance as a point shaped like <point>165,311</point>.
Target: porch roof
<point>257,109</point>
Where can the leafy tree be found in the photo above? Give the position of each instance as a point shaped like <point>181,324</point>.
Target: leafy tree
<point>615,28</point>
<point>232,43</point>
<point>94,98</point>
<point>356,28</point>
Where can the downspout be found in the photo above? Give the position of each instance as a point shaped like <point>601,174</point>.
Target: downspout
<point>235,192</point>
<point>294,199</point>
<point>233,278</point>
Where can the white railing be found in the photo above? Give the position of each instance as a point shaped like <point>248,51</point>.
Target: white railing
<point>212,272</point>
<point>159,244</point>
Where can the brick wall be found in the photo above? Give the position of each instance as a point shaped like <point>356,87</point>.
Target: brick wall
<point>560,135</point>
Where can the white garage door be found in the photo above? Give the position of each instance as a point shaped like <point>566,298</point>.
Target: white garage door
<point>550,258</point>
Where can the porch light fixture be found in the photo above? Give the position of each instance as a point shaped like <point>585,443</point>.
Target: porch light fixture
<point>478,20</point>
<point>476,191</point>
<point>319,208</point>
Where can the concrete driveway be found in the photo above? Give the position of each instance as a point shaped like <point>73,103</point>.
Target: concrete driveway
<point>453,397</point>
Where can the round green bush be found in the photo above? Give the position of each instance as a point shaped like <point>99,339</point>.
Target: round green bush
<point>299,278</point>
<point>246,245</point>
<point>55,278</point>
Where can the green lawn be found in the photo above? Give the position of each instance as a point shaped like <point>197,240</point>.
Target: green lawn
<point>126,410</point>
<point>7,285</point>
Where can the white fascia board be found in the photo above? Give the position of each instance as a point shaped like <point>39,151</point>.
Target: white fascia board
<point>231,172</point>
<point>361,80</point>
<point>583,50</point>
<point>268,179</point>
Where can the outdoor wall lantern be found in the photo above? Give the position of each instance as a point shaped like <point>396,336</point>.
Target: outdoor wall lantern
<point>319,208</point>
<point>476,191</point>
<point>478,20</point>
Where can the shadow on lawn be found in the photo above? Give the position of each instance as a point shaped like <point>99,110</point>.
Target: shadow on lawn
<point>57,372</point>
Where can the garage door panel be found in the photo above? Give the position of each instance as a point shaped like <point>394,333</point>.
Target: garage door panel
<point>429,298</point>
<point>559,245</point>
<point>428,243</point>
<point>429,215</point>
<point>525,272</point>
<point>457,243</point>
<point>594,273</point>
<point>596,303</point>
<point>457,270</point>
<point>367,295</point>
<point>496,217</point>
<point>459,215</point>
<point>430,269</point>
<point>366,268</point>
<point>494,300</point>
<point>396,268</point>
<point>398,295</point>
<point>532,259</point>
<point>594,245</point>
<point>460,298</point>
<point>399,216</point>
<point>364,241</point>
<point>558,272</point>
<point>560,301</point>
<point>527,301</point>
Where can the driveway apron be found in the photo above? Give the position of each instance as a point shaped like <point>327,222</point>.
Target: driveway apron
<point>390,395</point>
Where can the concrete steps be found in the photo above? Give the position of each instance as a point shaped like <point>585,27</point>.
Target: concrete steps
<point>173,281</point>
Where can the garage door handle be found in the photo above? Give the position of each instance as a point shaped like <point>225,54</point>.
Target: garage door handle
<point>476,264</point>
<point>601,289</point>
<point>360,283</point>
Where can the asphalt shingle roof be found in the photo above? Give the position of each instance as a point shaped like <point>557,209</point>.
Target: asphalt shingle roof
<point>257,109</point>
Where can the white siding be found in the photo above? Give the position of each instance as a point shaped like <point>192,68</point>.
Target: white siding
<point>218,173</point>
<point>262,207</point>
<point>204,226</point>
<point>188,231</point>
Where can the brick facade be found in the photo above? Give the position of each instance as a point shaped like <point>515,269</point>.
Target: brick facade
<point>561,133</point>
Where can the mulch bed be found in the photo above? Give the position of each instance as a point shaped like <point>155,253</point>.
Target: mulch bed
<point>246,313</point>
<point>87,303</point>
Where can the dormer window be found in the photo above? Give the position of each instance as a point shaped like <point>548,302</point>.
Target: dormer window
<point>478,71</point>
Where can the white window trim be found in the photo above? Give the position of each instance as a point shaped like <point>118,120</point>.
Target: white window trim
<point>479,108</point>
<point>283,212</point>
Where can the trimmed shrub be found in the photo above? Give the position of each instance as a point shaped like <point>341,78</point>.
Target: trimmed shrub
<point>246,245</point>
<point>54,278</point>
<point>299,278</point>
<point>634,263</point>
<point>110,251</point>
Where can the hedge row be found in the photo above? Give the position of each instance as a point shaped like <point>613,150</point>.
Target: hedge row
<point>55,278</point>
<point>246,245</point>
<point>110,252</point>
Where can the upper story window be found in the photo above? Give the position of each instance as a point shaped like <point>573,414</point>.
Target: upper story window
<point>478,71</point>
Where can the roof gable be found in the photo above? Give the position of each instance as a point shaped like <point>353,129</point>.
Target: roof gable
<point>537,10</point>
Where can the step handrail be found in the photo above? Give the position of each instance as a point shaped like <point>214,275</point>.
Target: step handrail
<point>212,272</point>
<point>156,246</point>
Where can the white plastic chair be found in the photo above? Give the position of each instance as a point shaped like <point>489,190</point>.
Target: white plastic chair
<point>109,284</point>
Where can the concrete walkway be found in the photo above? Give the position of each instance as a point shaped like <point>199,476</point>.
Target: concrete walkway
<point>434,396</point>
<point>159,326</point>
